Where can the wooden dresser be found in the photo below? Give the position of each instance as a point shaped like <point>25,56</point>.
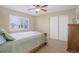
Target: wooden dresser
<point>73,37</point>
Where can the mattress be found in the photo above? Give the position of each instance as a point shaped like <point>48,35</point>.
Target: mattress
<point>22,35</point>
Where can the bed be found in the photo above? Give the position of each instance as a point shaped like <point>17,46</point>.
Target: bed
<point>24,42</point>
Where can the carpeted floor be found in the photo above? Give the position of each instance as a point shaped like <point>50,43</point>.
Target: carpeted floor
<point>54,46</point>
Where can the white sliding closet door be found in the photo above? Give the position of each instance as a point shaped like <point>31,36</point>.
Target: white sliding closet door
<point>59,27</point>
<point>63,27</point>
<point>54,27</point>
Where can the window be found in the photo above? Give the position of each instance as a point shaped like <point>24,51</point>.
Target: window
<point>18,23</point>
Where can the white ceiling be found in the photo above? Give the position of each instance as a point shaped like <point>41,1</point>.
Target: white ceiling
<point>50,8</point>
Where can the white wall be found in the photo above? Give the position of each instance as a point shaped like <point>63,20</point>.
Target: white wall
<point>4,18</point>
<point>39,23</point>
<point>42,22</point>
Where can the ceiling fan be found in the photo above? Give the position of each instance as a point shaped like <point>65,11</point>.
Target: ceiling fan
<point>38,8</point>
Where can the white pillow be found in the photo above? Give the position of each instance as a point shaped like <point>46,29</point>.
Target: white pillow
<point>2,39</point>
<point>7,36</point>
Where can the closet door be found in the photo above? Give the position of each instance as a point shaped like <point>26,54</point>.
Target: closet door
<point>63,27</point>
<point>54,27</point>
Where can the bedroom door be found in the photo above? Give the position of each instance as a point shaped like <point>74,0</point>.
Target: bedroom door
<point>54,27</point>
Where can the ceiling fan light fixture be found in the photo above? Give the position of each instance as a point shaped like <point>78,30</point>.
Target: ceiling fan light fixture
<point>37,9</point>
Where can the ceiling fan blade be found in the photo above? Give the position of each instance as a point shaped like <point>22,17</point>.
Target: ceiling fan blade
<point>44,6</point>
<point>31,9</point>
<point>44,10</point>
<point>36,6</point>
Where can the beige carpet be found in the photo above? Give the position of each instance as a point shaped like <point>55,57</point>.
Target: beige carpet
<point>54,46</point>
